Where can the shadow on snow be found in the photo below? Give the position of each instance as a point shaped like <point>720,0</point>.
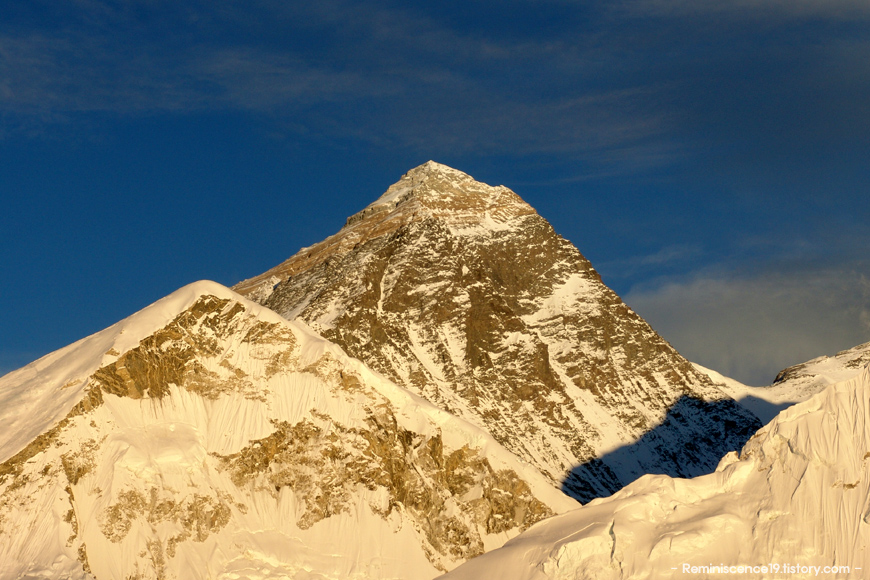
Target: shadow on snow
<point>691,440</point>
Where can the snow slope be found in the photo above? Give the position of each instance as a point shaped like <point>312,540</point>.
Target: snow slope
<point>798,495</point>
<point>208,437</point>
<point>37,396</point>
<point>794,384</point>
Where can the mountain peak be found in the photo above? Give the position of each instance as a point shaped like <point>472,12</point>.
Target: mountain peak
<point>207,428</point>
<point>429,173</point>
<point>431,167</point>
<point>446,193</point>
<point>431,191</point>
<point>462,293</point>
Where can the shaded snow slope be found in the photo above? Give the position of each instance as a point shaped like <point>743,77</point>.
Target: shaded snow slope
<point>208,437</point>
<point>462,293</point>
<point>794,384</point>
<point>798,494</point>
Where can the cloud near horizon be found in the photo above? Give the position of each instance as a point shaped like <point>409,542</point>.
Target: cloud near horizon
<point>750,328</point>
<point>601,85</point>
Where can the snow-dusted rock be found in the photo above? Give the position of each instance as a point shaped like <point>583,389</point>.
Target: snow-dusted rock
<point>208,437</point>
<point>462,293</point>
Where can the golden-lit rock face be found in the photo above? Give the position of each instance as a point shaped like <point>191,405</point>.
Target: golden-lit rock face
<point>323,467</point>
<point>462,293</point>
<point>142,464</point>
<point>431,190</point>
<point>173,355</point>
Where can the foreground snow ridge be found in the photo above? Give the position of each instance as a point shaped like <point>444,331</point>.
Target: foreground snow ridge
<point>796,500</point>
<point>206,437</point>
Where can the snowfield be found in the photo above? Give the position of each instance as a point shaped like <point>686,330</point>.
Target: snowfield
<point>206,437</point>
<point>798,495</point>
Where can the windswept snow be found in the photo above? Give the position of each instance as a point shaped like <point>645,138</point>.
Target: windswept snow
<point>208,437</point>
<point>798,495</point>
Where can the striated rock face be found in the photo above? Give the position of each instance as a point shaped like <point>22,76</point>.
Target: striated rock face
<point>212,438</point>
<point>463,294</point>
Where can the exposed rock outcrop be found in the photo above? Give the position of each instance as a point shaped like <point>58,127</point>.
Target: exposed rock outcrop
<point>462,293</point>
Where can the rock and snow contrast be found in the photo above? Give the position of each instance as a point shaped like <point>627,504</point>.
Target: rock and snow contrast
<point>794,384</point>
<point>797,498</point>
<point>232,436</point>
<point>463,294</point>
<point>208,437</point>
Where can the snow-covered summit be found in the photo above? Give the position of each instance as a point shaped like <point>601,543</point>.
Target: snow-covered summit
<point>414,178</point>
<point>433,190</point>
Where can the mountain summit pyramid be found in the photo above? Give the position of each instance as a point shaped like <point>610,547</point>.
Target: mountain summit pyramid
<point>463,294</point>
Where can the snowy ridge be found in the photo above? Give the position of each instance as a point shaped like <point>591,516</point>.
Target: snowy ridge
<point>794,384</point>
<point>37,396</point>
<point>463,294</point>
<point>219,440</point>
<point>798,494</point>
<point>810,377</point>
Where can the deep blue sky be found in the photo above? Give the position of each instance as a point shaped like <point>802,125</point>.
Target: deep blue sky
<point>712,159</point>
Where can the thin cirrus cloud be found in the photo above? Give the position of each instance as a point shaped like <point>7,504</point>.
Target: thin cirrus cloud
<point>72,74</point>
<point>384,74</point>
<point>831,9</point>
<point>632,267</point>
<point>617,92</point>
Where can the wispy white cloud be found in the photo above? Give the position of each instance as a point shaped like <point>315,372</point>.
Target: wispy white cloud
<point>623,94</point>
<point>674,254</point>
<point>829,9</point>
<point>751,327</point>
<point>260,80</point>
<point>384,73</point>
<point>44,74</point>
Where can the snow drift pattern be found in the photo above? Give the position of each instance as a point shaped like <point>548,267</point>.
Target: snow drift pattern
<point>208,437</point>
<point>799,494</point>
